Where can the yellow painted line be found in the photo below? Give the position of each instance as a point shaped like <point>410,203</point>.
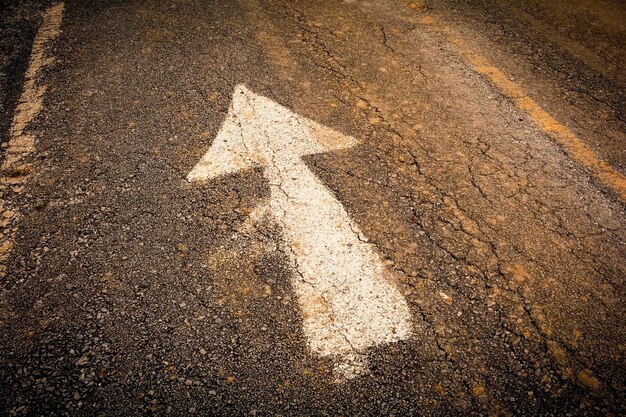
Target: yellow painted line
<point>578,150</point>
<point>15,169</point>
<point>31,100</point>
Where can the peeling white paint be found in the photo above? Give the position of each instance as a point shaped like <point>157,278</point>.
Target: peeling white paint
<point>347,303</point>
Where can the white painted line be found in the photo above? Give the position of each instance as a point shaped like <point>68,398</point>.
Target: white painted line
<point>347,303</point>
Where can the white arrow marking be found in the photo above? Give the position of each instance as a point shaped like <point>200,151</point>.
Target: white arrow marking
<point>347,303</point>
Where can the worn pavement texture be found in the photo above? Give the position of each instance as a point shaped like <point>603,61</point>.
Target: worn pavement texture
<point>128,290</point>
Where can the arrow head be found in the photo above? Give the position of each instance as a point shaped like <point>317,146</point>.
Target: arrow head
<point>259,132</point>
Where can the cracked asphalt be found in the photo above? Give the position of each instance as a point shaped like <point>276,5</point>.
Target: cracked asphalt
<point>128,290</point>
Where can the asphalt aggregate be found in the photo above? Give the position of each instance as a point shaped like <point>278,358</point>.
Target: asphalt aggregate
<point>128,290</point>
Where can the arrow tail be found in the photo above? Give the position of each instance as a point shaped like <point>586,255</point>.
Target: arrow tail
<point>348,305</point>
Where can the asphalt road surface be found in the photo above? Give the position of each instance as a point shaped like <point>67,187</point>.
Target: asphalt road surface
<point>313,207</point>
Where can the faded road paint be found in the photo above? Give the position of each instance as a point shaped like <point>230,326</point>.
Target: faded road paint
<point>578,150</point>
<point>21,144</point>
<point>31,100</point>
<point>347,303</point>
